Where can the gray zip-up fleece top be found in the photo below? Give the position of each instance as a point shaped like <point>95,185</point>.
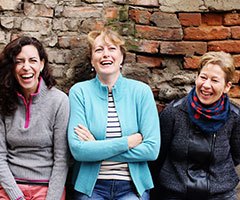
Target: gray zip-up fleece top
<point>223,148</point>
<point>33,144</point>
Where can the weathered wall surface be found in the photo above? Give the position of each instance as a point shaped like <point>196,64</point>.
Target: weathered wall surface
<point>165,38</point>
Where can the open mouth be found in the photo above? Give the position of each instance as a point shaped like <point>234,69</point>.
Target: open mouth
<point>106,63</point>
<point>27,76</point>
<point>206,94</point>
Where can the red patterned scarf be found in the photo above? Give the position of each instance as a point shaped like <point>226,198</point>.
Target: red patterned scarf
<point>208,118</point>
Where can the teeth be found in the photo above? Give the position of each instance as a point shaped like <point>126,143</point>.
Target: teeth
<point>206,93</point>
<point>106,63</point>
<point>25,76</point>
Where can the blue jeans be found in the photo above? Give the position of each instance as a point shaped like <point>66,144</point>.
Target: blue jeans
<point>112,190</point>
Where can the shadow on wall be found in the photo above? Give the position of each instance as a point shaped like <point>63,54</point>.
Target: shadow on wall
<point>80,69</point>
<point>84,70</point>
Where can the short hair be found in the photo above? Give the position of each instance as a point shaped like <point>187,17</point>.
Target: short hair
<point>110,34</point>
<point>222,59</point>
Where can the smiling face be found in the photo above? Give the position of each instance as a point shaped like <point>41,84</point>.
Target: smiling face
<point>211,84</point>
<point>27,70</point>
<point>106,59</point>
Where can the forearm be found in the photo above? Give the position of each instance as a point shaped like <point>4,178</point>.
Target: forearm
<point>141,153</point>
<point>92,151</point>
<point>60,167</point>
<point>61,154</point>
<point>8,182</point>
<point>57,182</point>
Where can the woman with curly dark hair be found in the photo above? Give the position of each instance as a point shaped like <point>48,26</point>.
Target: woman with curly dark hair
<point>33,121</point>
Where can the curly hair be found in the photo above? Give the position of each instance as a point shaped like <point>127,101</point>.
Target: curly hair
<point>8,84</point>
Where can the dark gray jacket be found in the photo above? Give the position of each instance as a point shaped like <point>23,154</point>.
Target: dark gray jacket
<point>194,163</point>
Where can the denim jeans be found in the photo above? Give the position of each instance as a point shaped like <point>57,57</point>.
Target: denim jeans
<point>112,190</point>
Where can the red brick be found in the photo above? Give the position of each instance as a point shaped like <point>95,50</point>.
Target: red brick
<point>98,25</point>
<point>234,92</point>
<point>231,19</point>
<point>155,33</point>
<point>235,32</point>
<point>191,62</point>
<point>130,58</point>
<point>212,19</point>
<point>236,76</point>
<point>155,92</point>
<point>160,107</point>
<point>230,46</point>
<point>111,13</point>
<point>165,20</point>
<point>183,48</point>
<point>237,61</point>
<point>235,101</point>
<point>190,19</point>
<point>140,16</point>
<point>207,33</point>
<point>149,61</point>
<point>147,46</point>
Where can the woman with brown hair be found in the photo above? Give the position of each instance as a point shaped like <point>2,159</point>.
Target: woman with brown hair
<point>113,127</point>
<point>34,116</point>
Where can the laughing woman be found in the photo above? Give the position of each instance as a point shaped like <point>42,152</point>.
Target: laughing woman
<point>113,128</point>
<point>33,122</point>
<point>201,137</point>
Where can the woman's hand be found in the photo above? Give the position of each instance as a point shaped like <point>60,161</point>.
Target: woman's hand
<point>83,133</point>
<point>134,140</point>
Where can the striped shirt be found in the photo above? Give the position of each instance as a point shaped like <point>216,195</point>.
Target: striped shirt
<point>109,169</point>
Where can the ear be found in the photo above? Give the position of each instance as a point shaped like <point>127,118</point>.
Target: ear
<point>196,80</point>
<point>121,63</point>
<point>227,87</point>
<point>92,64</point>
<point>42,62</point>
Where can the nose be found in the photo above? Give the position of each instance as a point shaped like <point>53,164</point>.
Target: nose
<point>26,65</point>
<point>106,53</point>
<point>207,83</point>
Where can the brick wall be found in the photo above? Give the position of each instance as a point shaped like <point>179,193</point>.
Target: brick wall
<point>164,38</point>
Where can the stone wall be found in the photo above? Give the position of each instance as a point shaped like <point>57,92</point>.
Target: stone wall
<point>165,38</point>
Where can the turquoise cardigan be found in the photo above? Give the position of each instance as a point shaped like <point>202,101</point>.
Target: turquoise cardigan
<point>137,112</point>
